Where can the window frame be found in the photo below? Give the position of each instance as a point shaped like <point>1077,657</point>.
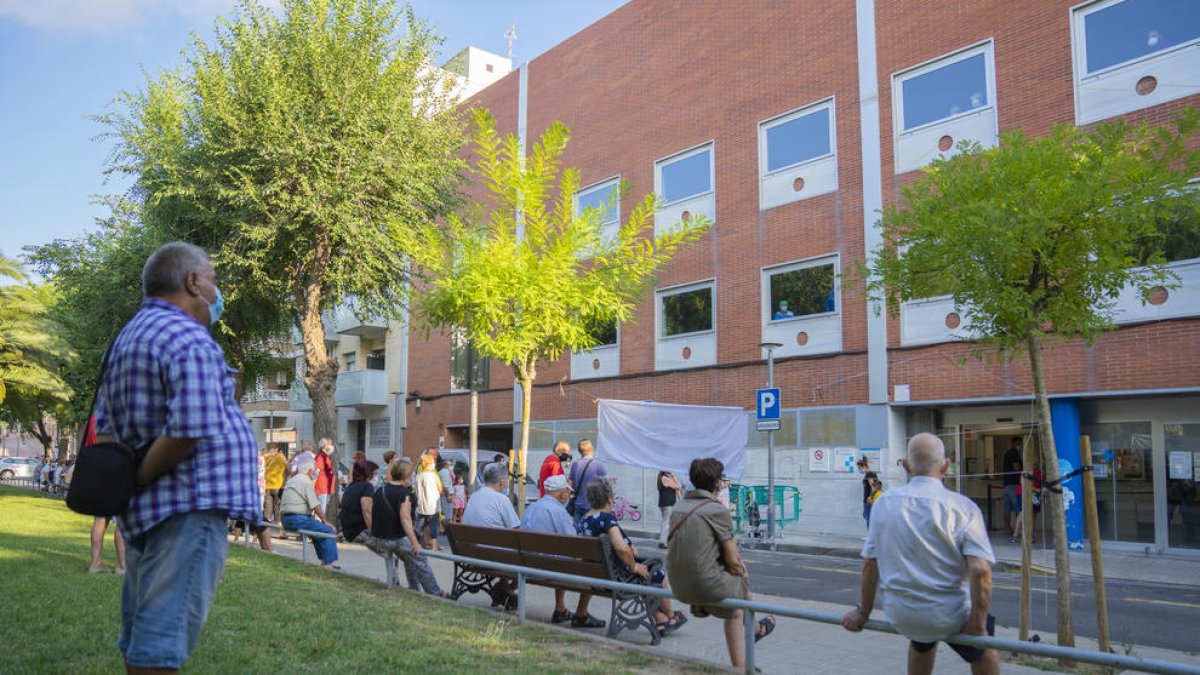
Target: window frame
<point>710,146</point>
<point>796,113</point>
<point>660,307</point>
<point>1079,15</point>
<point>985,47</point>
<point>607,230</point>
<point>458,334</point>
<point>833,259</point>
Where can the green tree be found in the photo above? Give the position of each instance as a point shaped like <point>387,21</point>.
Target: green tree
<point>33,353</point>
<point>302,149</point>
<point>523,276</point>
<point>1035,239</point>
<point>98,279</point>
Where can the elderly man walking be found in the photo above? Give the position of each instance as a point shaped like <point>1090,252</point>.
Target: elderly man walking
<point>927,548</point>
<point>549,514</point>
<point>166,387</point>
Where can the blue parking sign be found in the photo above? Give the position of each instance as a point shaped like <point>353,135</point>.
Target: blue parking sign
<point>767,404</point>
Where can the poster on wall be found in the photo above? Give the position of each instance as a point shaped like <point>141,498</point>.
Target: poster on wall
<point>872,455</point>
<point>818,459</point>
<point>1179,465</point>
<point>844,459</point>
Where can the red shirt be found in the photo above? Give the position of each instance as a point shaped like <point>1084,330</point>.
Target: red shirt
<point>324,483</point>
<point>551,466</point>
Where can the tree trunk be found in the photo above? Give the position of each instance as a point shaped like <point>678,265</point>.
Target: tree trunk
<point>320,371</point>
<point>1054,501</point>
<point>525,377</point>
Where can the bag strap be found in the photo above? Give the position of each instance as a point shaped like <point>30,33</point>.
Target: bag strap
<point>100,377</point>
<point>688,515</point>
<point>383,495</point>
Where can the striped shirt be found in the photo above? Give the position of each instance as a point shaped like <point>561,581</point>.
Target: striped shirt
<point>167,376</point>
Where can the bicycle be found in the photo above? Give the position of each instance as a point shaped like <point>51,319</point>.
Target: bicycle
<point>622,506</point>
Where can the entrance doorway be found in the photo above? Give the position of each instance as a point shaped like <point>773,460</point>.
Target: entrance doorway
<point>979,460</point>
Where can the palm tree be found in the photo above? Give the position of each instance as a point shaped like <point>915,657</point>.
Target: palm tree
<point>33,351</point>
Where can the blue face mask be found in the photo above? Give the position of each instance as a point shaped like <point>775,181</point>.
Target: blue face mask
<point>215,308</point>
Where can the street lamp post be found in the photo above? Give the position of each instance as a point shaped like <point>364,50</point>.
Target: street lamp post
<point>770,347</point>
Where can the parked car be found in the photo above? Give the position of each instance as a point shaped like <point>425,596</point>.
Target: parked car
<point>17,467</point>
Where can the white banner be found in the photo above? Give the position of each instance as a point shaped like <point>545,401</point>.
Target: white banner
<point>667,436</point>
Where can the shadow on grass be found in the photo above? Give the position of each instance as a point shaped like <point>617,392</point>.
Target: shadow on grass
<point>271,614</point>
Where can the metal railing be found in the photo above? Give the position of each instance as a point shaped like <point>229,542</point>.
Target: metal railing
<point>750,608</point>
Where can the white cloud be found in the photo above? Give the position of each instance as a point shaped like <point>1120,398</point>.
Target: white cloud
<point>104,16</point>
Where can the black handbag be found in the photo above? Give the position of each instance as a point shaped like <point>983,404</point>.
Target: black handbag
<point>105,475</point>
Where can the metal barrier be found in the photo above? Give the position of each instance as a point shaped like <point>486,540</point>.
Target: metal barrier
<point>787,503</point>
<point>750,607</point>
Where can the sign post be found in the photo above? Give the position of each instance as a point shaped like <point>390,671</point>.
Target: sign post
<point>767,405</point>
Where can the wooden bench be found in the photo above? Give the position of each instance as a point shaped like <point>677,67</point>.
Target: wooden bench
<point>587,557</point>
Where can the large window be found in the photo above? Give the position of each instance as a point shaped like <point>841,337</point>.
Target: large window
<point>604,333</point>
<point>604,200</point>
<point>468,368</point>
<point>797,137</point>
<point>836,426</point>
<point>803,290</point>
<point>379,433</point>
<point>687,311</point>
<point>1183,476</point>
<point>1124,480</point>
<point>686,175</point>
<point>1120,32</point>
<point>945,89</point>
<point>1177,234</point>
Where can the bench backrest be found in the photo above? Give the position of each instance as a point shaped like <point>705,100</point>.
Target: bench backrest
<point>581,556</point>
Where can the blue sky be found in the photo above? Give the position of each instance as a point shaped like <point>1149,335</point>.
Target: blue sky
<point>64,60</point>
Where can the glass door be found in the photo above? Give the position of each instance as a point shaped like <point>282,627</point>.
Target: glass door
<point>1124,471</point>
<point>1182,443</point>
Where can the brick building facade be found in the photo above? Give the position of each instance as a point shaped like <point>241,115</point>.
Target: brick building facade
<point>792,124</point>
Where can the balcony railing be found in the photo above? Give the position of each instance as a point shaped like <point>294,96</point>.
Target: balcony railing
<point>361,388</point>
<point>260,395</point>
<point>346,322</point>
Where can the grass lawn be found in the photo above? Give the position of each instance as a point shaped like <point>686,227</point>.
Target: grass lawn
<point>270,615</point>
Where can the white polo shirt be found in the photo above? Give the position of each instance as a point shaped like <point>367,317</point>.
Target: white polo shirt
<point>920,534</point>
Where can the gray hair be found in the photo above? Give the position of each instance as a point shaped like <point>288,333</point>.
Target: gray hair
<point>167,268</point>
<point>305,465</point>
<point>324,443</point>
<point>599,493</point>
<point>926,454</point>
<point>493,473</point>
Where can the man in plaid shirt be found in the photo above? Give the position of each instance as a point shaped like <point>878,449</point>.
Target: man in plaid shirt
<point>167,388</point>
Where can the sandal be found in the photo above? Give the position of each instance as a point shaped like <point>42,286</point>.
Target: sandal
<point>587,621</point>
<point>560,616</point>
<point>768,626</point>
<point>665,629</point>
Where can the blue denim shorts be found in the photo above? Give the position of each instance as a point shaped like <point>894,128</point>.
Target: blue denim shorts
<point>1012,500</point>
<point>171,575</point>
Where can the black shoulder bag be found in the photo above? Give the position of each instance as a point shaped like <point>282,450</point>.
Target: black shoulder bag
<point>105,472</point>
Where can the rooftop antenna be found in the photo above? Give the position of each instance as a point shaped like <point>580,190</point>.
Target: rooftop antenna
<point>511,35</point>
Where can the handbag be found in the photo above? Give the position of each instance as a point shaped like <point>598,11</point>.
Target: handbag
<point>105,472</point>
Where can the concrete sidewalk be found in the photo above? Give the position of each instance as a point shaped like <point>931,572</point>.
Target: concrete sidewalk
<point>796,646</point>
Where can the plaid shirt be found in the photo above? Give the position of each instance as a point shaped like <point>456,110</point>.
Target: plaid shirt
<point>167,376</point>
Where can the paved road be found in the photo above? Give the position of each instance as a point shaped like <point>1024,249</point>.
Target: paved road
<point>1141,614</point>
